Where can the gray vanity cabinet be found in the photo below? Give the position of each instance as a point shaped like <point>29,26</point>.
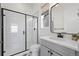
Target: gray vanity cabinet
<point>44,51</point>
<point>56,49</point>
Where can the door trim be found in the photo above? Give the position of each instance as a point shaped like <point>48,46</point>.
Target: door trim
<point>2,30</point>
<point>37,31</point>
<point>25,32</point>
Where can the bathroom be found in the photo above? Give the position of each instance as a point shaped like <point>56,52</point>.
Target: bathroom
<point>39,29</point>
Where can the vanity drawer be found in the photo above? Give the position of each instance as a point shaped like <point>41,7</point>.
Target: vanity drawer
<point>62,50</point>
<point>58,48</point>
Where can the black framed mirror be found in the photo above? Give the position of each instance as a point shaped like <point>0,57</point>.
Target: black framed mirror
<point>64,18</point>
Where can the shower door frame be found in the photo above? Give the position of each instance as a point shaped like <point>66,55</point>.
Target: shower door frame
<point>2,30</point>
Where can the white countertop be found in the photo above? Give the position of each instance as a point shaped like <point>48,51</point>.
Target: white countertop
<point>63,41</point>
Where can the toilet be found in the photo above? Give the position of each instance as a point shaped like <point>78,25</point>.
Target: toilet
<point>35,50</point>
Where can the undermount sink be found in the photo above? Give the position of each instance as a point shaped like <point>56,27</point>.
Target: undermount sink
<point>56,38</point>
<point>62,41</point>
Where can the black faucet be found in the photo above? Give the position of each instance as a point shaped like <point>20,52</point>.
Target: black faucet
<point>59,35</point>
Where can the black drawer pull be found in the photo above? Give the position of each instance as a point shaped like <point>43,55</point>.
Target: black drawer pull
<point>48,51</point>
<point>51,53</point>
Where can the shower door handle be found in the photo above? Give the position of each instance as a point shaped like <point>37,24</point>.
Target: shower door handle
<point>34,29</point>
<point>23,32</point>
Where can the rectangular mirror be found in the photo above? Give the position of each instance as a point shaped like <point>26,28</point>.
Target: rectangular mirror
<point>65,18</point>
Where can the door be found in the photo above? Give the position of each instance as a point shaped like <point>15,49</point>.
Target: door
<point>14,36</point>
<point>31,31</point>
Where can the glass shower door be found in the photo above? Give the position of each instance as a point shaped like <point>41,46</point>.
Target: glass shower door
<point>31,31</point>
<point>14,32</point>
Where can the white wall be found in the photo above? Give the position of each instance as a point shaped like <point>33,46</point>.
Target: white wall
<point>20,7</point>
<point>43,31</point>
<point>71,17</point>
<point>36,9</point>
